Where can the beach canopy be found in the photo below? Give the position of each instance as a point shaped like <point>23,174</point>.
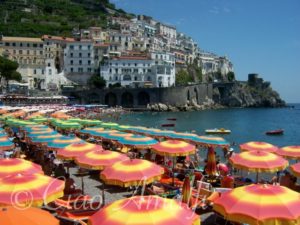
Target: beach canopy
<point>45,138</point>
<point>296,169</point>
<point>13,166</point>
<point>62,142</point>
<point>258,146</point>
<point>211,141</point>
<point>98,160</point>
<point>258,161</point>
<point>173,148</point>
<point>260,204</point>
<point>71,151</point>
<point>6,144</point>
<point>138,141</point>
<point>10,215</point>
<point>132,172</point>
<point>290,152</point>
<point>29,190</point>
<point>115,136</point>
<point>145,210</point>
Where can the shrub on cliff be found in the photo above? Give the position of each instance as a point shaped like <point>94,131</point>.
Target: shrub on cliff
<point>183,78</point>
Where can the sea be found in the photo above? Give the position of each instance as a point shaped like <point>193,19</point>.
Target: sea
<point>246,124</point>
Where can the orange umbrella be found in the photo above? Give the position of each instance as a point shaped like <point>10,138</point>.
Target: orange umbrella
<point>258,146</point>
<point>174,148</point>
<point>290,152</point>
<point>98,160</point>
<point>296,169</point>
<point>260,204</point>
<point>29,190</point>
<point>145,210</point>
<point>132,172</point>
<point>3,111</point>
<point>73,150</point>
<point>26,216</point>
<point>15,166</point>
<point>186,190</point>
<point>258,161</point>
<point>211,165</point>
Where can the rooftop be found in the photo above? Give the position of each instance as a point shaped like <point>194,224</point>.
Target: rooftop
<point>21,39</point>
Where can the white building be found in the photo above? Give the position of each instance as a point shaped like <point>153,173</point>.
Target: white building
<point>167,31</point>
<point>155,70</point>
<point>79,60</point>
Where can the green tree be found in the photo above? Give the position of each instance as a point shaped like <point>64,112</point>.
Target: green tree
<point>8,70</point>
<point>183,78</point>
<point>230,76</point>
<point>97,81</point>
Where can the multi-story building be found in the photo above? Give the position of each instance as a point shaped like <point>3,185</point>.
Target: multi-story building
<point>140,70</point>
<point>167,31</point>
<point>79,60</point>
<point>29,54</point>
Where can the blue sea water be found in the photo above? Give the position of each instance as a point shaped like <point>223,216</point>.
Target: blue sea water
<point>246,125</point>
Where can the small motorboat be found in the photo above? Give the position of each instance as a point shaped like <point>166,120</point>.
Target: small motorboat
<point>275,132</point>
<point>218,131</point>
<point>172,119</point>
<point>168,125</point>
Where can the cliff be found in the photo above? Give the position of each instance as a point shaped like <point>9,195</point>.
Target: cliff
<point>254,93</point>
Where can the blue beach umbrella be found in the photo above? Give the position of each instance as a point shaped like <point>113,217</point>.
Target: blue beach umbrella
<point>45,138</point>
<point>183,136</point>
<point>212,141</point>
<point>62,142</point>
<point>5,144</point>
<point>138,141</point>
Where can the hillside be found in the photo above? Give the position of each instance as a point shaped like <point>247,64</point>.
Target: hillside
<point>56,17</point>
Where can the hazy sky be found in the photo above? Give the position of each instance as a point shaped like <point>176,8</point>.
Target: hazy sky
<point>259,36</point>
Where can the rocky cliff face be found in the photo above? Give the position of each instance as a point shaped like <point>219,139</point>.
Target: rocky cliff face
<point>254,93</point>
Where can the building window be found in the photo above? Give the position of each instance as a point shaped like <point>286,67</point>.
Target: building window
<point>71,46</point>
<point>89,70</point>
<point>110,70</point>
<point>71,62</point>
<point>34,71</point>
<point>80,54</point>
<point>89,54</point>
<point>89,62</point>
<point>7,44</point>
<point>135,78</point>
<point>34,45</point>
<point>135,64</point>
<point>50,71</point>
<point>148,78</point>
<point>42,71</point>
<point>14,51</point>
<point>116,78</point>
<point>71,55</point>
<point>14,44</point>
<point>71,69</point>
<point>89,47</point>
<point>116,70</point>
<point>80,62</point>
<point>80,47</point>
<point>41,52</point>
<point>20,52</point>
<point>49,65</point>
<point>28,45</point>
<point>41,45</point>
<point>21,44</point>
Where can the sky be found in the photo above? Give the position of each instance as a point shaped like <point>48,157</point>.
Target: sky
<point>258,36</point>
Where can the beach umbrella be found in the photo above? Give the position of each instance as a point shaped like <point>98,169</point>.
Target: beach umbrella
<point>91,122</point>
<point>124,127</point>
<point>10,215</point>
<point>186,190</point>
<point>258,146</point>
<point>2,134</point>
<point>101,133</point>
<point>211,141</point>
<point>289,152</point>
<point>173,148</point>
<point>296,169</point>
<point>67,125</point>
<point>160,133</point>
<point>110,125</point>
<point>211,165</point>
<point>45,138</point>
<point>260,204</point>
<point>183,136</point>
<point>98,160</point>
<point>35,127</point>
<point>131,172</point>
<point>39,119</point>
<point>137,141</point>
<point>45,132</point>
<point>71,151</point>
<point>116,135</point>
<point>6,144</point>
<point>29,190</point>
<point>12,166</point>
<point>62,142</point>
<point>145,210</point>
<point>258,161</point>
<point>90,130</point>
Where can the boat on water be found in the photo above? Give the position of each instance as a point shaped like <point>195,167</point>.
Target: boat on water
<point>173,119</point>
<point>168,125</point>
<point>217,131</point>
<point>275,132</point>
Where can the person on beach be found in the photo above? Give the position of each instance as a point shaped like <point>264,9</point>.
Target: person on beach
<point>70,186</point>
<point>60,171</point>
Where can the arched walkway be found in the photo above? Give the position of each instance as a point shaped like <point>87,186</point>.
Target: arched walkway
<point>196,94</point>
<point>127,100</point>
<point>110,99</point>
<point>188,95</point>
<point>93,98</point>
<point>143,98</point>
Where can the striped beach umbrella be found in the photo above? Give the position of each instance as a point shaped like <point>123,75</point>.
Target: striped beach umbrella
<point>45,138</point>
<point>173,148</point>
<point>296,169</point>
<point>183,136</point>
<point>29,190</point>
<point>211,164</point>
<point>14,166</point>
<point>90,130</point>
<point>160,133</point>
<point>211,141</point>
<point>145,210</point>
<point>109,125</point>
<point>289,152</point>
<point>10,215</point>
<point>3,134</point>
<point>62,142</point>
<point>101,133</point>
<point>116,135</point>
<point>137,141</point>
<point>260,204</point>
<point>71,151</point>
<point>131,172</point>
<point>39,119</point>
<point>37,127</point>
<point>98,160</point>
<point>6,144</point>
<point>45,132</point>
<point>258,146</point>
<point>258,161</point>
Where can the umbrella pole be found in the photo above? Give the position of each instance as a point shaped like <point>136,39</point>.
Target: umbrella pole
<point>103,194</point>
<point>82,185</point>
<point>257,177</point>
<point>173,169</point>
